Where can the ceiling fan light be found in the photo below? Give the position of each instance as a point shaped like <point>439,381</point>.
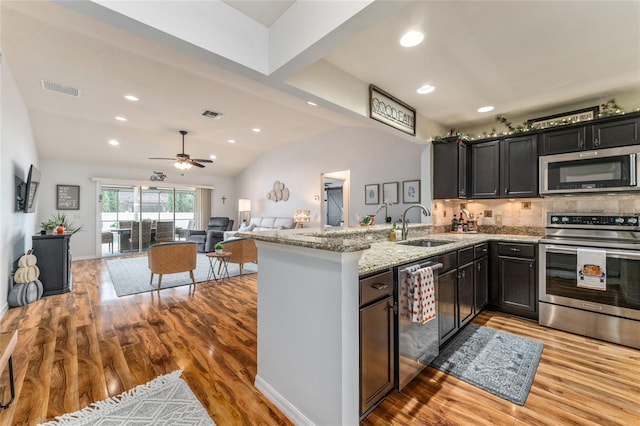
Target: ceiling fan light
<point>182,165</point>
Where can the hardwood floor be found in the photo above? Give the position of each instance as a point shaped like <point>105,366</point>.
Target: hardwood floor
<point>89,344</point>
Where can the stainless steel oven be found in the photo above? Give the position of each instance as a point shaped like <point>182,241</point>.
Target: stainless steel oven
<point>602,170</point>
<point>609,309</point>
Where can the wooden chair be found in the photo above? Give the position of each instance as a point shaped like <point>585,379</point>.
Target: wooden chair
<point>171,258</point>
<point>243,250</point>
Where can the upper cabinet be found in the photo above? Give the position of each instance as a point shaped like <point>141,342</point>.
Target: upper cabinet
<point>506,168</point>
<point>609,133</point>
<point>451,169</point>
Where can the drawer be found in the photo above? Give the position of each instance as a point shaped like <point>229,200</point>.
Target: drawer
<point>480,250</point>
<point>376,287</point>
<point>516,249</point>
<point>465,256</point>
<point>449,261</point>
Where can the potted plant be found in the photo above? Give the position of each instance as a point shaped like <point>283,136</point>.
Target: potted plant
<point>48,226</point>
<point>59,223</point>
<point>219,248</point>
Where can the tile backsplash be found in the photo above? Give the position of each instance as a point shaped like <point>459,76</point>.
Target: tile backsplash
<point>532,212</point>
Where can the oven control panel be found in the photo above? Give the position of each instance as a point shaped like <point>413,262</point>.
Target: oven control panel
<point>573,219</point>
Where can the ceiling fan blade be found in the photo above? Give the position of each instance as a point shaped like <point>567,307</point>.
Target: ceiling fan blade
<point>196,164</point>
<point>202,160</point>
<point>162,158</point>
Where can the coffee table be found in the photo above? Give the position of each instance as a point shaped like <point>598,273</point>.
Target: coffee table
<point>221,259</point>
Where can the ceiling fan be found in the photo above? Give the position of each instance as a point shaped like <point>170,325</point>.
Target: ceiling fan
<point>184,161</point>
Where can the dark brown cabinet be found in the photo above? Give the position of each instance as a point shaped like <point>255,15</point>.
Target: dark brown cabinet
<point>485,170</point>
<point>606,133</point>
<point>514,287</point>
<point>447,304</point>
<point>54,261</point>
<point>506,168</point>
<point>377,351</point>
<point>450,169</point>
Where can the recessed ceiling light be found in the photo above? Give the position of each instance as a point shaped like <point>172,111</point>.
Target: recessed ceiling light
<point>312,103</point>
<point>427,88</point>
<point>231,141</point>
<point>120,118</point>
<point>114,142</point>
<point>412,38</point>
<point>256,130</point>
<point>131,98</point>
<point>213,157</point>
<point>485,108</point>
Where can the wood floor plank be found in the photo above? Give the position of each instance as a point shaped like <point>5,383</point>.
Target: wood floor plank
<point>115,343</point>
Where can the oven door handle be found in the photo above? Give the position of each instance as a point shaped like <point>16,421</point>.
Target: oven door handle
<point>618,254</point>
<point>633,177</point>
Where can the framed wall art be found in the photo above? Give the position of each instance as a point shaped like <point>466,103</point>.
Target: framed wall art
<point>371,194</point>
<point>390,192</point>
<point>67,197</point>
<point>411,191</point>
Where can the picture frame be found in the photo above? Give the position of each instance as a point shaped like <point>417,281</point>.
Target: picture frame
<point>584,114</point>
<point>68,197</point>
<point>411,191</point>
<point>389,110</point>
<point>390,192</point>
<point>372,193</point>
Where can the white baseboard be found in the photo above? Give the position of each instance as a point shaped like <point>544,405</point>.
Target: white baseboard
<point>281,402</point>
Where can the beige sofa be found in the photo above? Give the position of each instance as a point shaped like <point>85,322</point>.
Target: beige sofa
<point>263,224</point>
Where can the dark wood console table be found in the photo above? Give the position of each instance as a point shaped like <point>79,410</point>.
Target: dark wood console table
<point>54,260</point>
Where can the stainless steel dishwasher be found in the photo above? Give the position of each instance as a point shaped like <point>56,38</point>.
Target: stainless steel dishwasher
<point>417,344</point>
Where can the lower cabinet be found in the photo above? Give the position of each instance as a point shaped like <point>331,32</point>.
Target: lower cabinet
<point>514,287</point>
<point>377,352</point>
<point>54,261</point>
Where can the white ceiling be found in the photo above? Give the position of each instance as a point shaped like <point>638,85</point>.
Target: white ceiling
<point>518,56</point>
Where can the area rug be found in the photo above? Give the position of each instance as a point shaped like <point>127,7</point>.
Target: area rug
<point>130,275</point>
<point>166,400</point>
<point>500,363</point>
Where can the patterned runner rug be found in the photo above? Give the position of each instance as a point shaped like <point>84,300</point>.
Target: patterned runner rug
<point>500,363</point>
<point>165,401</point>
<point>130,275</point>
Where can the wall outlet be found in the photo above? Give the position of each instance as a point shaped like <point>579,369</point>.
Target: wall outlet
<point>498,219</point>
<point>488,213</point>
<point>526,205</point>
<point>463,206</point>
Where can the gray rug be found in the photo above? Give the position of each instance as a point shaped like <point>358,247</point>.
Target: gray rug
<point>166,400</point>
<point>500,363</point>
<point>130,275</point>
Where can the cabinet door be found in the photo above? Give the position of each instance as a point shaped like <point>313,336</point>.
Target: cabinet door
<point>517,292</point>
<point>616,133</point>
<point>465,294</point>
<point>377,354</point>
<point>450,169</point>
<point>565,140</point>
<point>485,172</point>
<point>519,167</point>
<point>481,283</point>
<point>447,305</point>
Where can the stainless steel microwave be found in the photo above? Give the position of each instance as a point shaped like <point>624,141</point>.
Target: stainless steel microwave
<point>602,170</point>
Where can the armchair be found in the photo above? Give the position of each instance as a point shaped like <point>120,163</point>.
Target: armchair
<point>214,233</point>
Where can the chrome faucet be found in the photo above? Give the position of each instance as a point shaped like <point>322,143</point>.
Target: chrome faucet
<point>405,226</point>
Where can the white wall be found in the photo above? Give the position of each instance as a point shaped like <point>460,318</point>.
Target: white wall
<point>371,155</point>
<point>18,152</point>
<point>83,243</point>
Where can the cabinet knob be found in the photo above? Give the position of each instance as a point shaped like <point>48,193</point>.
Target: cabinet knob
<point>530,265</point>
<point>479,266</point>
<point>596,142</point>
<point>514,249</point>
<point>506,190</point>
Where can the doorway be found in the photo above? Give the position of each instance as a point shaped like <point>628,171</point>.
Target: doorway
<point>334,210</point>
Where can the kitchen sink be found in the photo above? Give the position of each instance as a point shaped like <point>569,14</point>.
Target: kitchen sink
<point>425,243</point>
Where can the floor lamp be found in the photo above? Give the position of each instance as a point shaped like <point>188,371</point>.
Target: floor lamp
<point>244,211</point>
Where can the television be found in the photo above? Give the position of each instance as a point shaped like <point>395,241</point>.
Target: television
<point>30,193</point>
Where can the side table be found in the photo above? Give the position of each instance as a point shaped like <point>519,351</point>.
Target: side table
<point>221,260</point>
<point>8,343</point>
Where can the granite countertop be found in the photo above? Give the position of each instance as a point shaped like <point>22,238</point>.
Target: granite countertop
<point>378,252</point>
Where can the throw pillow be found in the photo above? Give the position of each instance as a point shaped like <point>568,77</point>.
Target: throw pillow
<point>245,228</point>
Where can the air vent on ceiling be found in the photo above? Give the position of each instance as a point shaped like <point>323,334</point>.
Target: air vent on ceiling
<point>59,88</point>
<point>211,114</point>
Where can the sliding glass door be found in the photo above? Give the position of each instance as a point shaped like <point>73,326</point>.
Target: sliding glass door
<point>135,217</point>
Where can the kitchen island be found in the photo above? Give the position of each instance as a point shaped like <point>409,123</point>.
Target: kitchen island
<point>308,318</point>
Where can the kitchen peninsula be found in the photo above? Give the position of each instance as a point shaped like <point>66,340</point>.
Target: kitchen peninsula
<point>308,318</point>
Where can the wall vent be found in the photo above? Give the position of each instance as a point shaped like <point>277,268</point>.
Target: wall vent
<point>211,114</point>
<point>59,88</point>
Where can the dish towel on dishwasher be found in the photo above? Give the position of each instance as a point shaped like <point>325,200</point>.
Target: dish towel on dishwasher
<point>424,295</point>
<point>406,292</point>
<point>591,269</point>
